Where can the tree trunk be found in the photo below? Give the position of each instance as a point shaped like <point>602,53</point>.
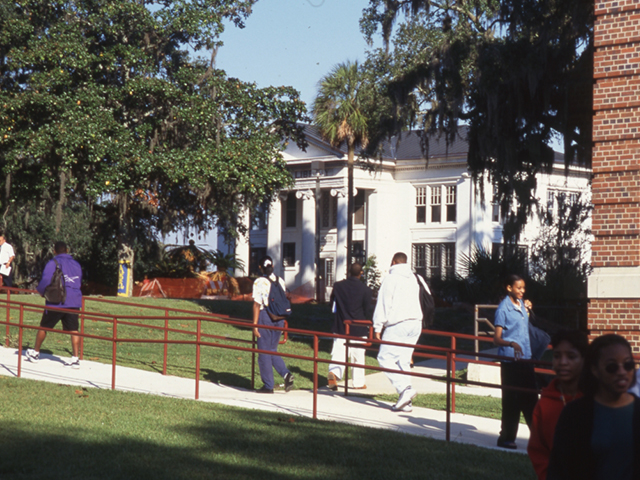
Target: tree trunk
<point>61,198</point>
<point>126,254</point>
<point>350,204</point>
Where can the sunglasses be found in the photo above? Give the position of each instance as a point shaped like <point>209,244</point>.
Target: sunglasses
<point>612,368</point>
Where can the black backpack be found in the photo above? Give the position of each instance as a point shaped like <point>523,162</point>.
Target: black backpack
<point>56,293</point>
<point>426,303</point>
<point>279,306</point>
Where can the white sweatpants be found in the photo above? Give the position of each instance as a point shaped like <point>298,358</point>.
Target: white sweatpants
<point>356,356</point>
<point>399,358</point>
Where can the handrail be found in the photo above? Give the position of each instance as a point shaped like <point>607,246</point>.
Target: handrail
<point>201,339</point>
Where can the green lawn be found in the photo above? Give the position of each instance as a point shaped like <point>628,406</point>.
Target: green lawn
<point>63,432</point>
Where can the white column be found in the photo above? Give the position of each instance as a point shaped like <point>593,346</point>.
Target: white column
<point>341,241</point>
<point>464,221</point>
<point>308,247</point>
<point>274,233</point>
<point>242,246</point>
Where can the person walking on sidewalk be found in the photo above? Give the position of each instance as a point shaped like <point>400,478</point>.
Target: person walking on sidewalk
<point>73,281</point>
<point>398,311</point>
<point>350,300</point>
<point>268,339</point>
<point>6,262</point>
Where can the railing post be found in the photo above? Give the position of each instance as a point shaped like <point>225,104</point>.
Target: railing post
<point>453,372</point>
<point>21,322</point>
<point>475,330</point>
<point>253,360</point>
<point>315,376</point>
<point>82,330</point>
<point>448,423</point>
<point>113,353</point>
<point>198,358</point>
<point>8,317</point>
<point>166,338</point>
<point>346,367</point>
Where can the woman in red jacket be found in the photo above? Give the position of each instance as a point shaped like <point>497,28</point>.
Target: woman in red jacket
<point>569,349</point>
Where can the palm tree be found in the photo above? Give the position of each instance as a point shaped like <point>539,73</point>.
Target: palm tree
<point>338,111</point>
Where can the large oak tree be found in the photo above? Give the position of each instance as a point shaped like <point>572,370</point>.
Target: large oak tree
<point>517,72</point>
<point>106,102</point>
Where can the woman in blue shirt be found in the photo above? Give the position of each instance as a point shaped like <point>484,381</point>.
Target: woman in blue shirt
<point>512,336</point>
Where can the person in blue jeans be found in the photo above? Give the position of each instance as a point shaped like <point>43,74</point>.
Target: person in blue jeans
<point>512,337</point>
<point>268,339</point>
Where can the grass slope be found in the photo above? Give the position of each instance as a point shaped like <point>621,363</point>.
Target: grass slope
<point>225,366</point>
<point>63,432</point>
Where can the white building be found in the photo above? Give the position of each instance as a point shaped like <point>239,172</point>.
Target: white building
<point>431,210</point>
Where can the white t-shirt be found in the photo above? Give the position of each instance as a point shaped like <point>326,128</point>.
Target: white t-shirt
<point>6,252</point>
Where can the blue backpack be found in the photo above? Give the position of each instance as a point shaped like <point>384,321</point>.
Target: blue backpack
<point>279,306</point>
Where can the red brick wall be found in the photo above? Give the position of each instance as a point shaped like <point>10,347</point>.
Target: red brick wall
<point>616,157</point>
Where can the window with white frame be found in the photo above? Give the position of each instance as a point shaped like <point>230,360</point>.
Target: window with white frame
<point>450,202</point>
<point>359,203</point>
<point>551,200</point>
<point>558,200</point>
<point>329,210</point>
<point>289,254</point>
<point>421,204</point>
<point>328,272</point>
<point>434,260</point>
<point>260,218</point>
<point>436,204</point>
<point>573,198</point>
<point>291,211</point>
<point>495,205</point>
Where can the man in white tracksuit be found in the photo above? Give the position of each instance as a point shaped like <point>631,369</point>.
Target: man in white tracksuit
<point>398,310</point>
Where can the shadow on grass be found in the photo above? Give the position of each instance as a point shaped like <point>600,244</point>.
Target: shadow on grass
<point>231,443</point>
<point>308,375</point>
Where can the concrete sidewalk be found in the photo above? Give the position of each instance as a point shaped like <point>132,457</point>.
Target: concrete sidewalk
<point>333,406</point>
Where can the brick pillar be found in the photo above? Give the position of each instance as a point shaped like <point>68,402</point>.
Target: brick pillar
<point>614,286</point>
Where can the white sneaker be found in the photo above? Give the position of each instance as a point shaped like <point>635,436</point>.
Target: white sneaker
<point>32,355</point>
<point>73,363</point>
<point>405,398</point>
<point>407,408</point>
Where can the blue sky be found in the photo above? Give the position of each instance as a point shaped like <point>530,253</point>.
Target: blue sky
<point>296,43</point>
<point>288,42</point>
<point>293,42</point>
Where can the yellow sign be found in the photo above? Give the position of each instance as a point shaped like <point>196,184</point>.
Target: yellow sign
<point>125,277</point>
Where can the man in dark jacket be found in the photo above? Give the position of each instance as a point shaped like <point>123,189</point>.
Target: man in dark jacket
<point>73,280</point>
<point>350,300</point>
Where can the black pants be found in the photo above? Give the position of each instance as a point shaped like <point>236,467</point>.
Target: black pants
<point>516,374</point>
<point>7,280</point>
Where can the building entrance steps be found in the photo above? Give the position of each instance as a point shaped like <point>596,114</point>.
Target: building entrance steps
<point>333,406</point>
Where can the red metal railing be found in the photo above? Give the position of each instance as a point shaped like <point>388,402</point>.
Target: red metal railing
<point>210,340</point>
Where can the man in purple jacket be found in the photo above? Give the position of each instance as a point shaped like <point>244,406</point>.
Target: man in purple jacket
<point>73,280</point>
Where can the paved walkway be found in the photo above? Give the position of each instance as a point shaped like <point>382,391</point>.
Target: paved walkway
<point>333,406</point>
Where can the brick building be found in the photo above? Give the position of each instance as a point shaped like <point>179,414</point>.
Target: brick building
<point>614,287</point>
